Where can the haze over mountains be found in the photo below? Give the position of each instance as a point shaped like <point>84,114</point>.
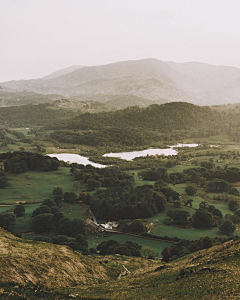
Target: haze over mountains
<point>143,81</point>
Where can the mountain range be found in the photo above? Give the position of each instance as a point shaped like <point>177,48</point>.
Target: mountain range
<point>143,81</point>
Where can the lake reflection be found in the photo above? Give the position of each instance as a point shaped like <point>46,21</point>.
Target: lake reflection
<point>75,158</point>
<point>133,154</point>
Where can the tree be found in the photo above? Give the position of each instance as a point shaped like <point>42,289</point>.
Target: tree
<point>77,227</point>
<point>174,251</point>
<point>7,221</point>
<point>148,252</point>
<point>93,184</point>
<point>70,197</point>
<point>42,223</point>
<point>137,226</point>
<point>217,186</point>
<point>19,210</point>
<point>206,242</point>
<point>190,190</point>
<point>233,205</point>
<point>165,254</point>
<point>178,216</point>
<point>159,200</point>
<point>55,209</point>
<point>227,227</point>
<point>3,180</point>
<point>237,212</point>
<point>58,195</point>
<point>59,239</point>
<point>43,209</point>
<point>203,219</point>
<point>234,191</point>
<point>49,202</point>
<point>64,226</point>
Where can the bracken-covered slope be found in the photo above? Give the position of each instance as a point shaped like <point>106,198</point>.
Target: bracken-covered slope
<point>208,274</point>
<point>56,272</point>
<point>24,262</point>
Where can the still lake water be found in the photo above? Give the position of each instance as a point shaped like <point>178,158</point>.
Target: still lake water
<point>76,158</point>
<point>133,154</point>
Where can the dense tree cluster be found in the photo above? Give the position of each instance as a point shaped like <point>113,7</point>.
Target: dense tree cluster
<point>105,177</point>
<point>119,202</point>
<point>114,247</point>
<point>78,243</point>
<point>135,226</point>
<point>20,162</point>
<point>206,216</point>
<point>139,126</point>
<point>177,216</point>
<point>48,216</point>
<point>33,115</point>
<point>166,117</point>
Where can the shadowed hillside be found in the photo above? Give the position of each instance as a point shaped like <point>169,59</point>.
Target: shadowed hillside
<point>207,274</point>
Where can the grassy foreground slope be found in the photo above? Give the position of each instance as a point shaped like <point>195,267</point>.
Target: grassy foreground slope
<point>60,273</point>
<point>207,274</point>
<point>24,262</point>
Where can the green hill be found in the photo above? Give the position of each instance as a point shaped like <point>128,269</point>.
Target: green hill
<point>136,126</point>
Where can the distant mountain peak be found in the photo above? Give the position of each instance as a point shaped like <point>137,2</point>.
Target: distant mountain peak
<point>150,79</point>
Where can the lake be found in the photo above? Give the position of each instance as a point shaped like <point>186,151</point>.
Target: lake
<point>134,154</point>
<point>76,158</point>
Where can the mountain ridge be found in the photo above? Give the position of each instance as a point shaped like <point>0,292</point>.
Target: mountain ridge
<point>149,79</point>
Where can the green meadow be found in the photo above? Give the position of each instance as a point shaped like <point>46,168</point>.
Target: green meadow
<point>156,245</point>
<point>32,187</point>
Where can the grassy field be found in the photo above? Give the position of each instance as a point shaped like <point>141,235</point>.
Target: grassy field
<point>23,224</point>
<point>155,245</point>
<point>35,186</point>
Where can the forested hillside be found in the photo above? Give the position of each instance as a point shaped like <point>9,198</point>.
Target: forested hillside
<point>141,126</point>
<point>32,115</point>
<point>166,117</point>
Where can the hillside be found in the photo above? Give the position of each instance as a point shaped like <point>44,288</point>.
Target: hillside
<point>140,126</point>
<point>50,265</point>
<point>149,79</point>
<point>61,72</point>
<point>44,268</point>
<point>13,98</point>
<point>166,117</point>
<point>33,115</point>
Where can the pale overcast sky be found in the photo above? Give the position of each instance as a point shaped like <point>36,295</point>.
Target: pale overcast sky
<point>38,37</point>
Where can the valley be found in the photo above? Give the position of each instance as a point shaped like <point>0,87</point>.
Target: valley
<point>168,175</point>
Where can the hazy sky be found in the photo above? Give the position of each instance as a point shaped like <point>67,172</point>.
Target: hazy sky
<point>38,37</point>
